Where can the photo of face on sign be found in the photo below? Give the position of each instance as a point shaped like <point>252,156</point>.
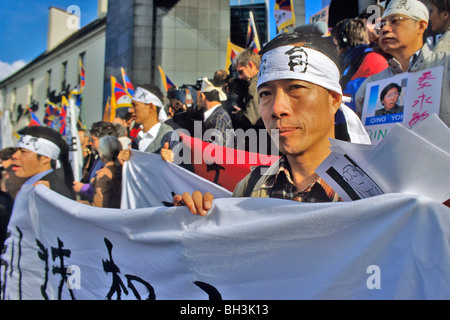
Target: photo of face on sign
<point>386,101</point>
<point>390,100</point>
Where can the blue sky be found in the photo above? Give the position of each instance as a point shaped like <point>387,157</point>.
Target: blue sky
<point>23,28</point>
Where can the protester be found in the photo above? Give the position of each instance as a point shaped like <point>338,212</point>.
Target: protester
<point>215,116</point>
<point>359,61</point>
<point>98,130</point>
<point>299,92</point>
<point>371,16</point>
<point>107,182</point>
<point>440,23</point>
<point>389,99</point>
<point>122,135</point>
<point>88,154</point>
<point>401,35</point>
<point>11,183</point>
<point>147,103</point>
<point>39,153</point>
<point>183,108</point>
<point>247,66</point>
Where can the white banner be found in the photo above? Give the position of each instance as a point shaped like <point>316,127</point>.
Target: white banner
<point>149,181</point>
<point>386,247</point>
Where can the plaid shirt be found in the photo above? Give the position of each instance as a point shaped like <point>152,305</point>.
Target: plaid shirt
<point>220,120</point>
<point>281,186</point>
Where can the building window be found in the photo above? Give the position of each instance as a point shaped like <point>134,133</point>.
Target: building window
<point>63,76</point>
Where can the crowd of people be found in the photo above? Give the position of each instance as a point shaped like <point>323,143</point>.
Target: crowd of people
<point>302,88</point>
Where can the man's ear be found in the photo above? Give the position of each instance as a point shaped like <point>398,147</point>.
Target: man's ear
<point>336,100</point>
<point>45,160</point>
<point>423,25</point>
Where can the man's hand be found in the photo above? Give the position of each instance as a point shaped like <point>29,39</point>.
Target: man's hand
<point>198,203</point>
<point>166,153</point>
<point>124,155</point>
<point>77,186</point>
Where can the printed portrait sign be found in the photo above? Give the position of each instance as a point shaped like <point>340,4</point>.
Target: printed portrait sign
<point>407,99</point>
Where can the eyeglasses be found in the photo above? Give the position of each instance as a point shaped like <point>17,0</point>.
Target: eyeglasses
<point>393,22</point>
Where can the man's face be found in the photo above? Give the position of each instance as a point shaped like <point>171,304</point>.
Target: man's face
<point>26,163</point>
<point>246,72</point>
<point>390,99</point>
<point>141,111</point>
<point>302,112</point>
<point>400,35</point>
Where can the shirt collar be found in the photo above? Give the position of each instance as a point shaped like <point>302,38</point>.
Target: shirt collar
<point>150,133</point>
<point>209,112</point>
<point>284,167</point>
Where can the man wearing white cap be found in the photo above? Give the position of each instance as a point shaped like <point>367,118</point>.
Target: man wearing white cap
<point>37,157</point>
<point>215,117</point>
<point>401,32</point>
<point>299,94</point>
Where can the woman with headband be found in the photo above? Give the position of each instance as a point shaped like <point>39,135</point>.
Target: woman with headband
<point>298,86</point>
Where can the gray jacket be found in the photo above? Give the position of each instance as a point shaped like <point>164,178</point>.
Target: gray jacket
<point>427,59</point>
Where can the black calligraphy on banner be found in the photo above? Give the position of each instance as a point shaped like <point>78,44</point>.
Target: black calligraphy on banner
<point>117,284</point>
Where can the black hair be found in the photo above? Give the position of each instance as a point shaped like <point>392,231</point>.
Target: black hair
<point>389,87</point>
<point>6,153</point>
<point>103,128</point>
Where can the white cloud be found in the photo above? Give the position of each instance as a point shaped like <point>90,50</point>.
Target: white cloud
<point>7,69</point>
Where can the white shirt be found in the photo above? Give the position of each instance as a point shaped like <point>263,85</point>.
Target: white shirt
<point>209,112</point>
<point>145,138</point>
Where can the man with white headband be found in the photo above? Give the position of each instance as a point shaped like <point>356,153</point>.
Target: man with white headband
<point>37,157</point>
<point>147,104</point>
<point>299,94</point>
<point>401,32</point>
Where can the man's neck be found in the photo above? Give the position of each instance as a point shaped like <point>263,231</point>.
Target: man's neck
<point>303,166</point>
<point>404,56</point>
<point>147,125</point>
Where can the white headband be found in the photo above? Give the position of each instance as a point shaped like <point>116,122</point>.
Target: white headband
<point>41,146</point>
<point>145,96</point>
<point>411,8</point>
<point>296,62</point>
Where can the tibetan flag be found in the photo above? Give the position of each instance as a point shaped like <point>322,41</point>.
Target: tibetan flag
<point>252,35</point>
<point>51,111</point>
<point>129,88</point>
<point>63,115</point>
<point>34,121</point>
<point>107,112</point>
<point>284,14</point>
<point>82,74</point>
<point>119,97</point>
<point>165,79</point>
<point>232,51</point>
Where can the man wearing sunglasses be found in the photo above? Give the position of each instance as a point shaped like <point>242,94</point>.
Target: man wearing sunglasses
<point>401,31</point>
